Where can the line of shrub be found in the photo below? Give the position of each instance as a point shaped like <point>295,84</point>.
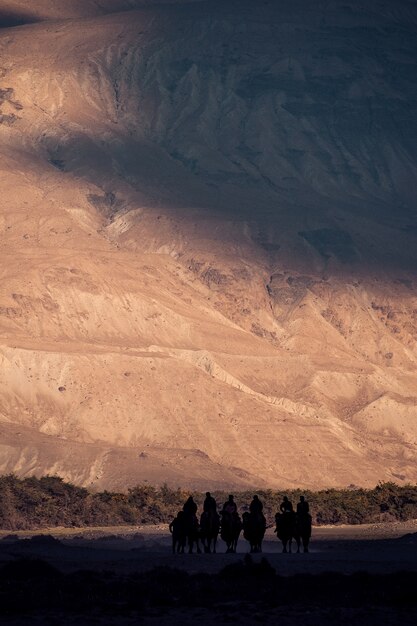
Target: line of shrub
<point>32,503</point>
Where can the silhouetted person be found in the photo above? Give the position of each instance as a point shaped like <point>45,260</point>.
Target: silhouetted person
<point>209,505</point>
<point>303,507</point>
<point>230,506</point>
<point>190,507</point>
<point>286,506</point>
<point>256,506</point>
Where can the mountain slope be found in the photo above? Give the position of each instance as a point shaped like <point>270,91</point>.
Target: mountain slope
<point>208,227</point>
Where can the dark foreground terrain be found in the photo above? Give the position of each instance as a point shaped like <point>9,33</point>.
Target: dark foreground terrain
<point>362,575</point>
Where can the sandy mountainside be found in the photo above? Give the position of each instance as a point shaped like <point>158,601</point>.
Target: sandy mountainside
<point>208,241</point>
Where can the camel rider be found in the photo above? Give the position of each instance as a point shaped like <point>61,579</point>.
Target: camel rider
<point>229,507</point>
<point>209,505</point>
<point>303,507</point>
<point>286,506</point>
<point>190,507</point>
<point>256,506</point>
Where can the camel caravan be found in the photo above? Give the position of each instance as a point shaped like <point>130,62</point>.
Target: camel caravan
<point>186,530</point>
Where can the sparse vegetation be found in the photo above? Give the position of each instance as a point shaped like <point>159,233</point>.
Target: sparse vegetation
<point>31,503</point>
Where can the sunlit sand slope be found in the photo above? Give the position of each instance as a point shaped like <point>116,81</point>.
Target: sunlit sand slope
<point>208,229</point>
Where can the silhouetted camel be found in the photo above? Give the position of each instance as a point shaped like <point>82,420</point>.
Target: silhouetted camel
<point>185,529</point>
<point>254,526</point>
<point>230,529</point>
<point>285,529</point>
<point>191,530</point>
<point>209,530</point>
<point>303,530</point>
<point>291,526</point>
<point>179,538</point>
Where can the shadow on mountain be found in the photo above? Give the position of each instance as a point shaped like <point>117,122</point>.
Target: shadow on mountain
<point>341,245</point>
<point>298,137</point>
<point>16,18</point>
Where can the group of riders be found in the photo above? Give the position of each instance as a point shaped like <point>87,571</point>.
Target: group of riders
<point>289,525</point>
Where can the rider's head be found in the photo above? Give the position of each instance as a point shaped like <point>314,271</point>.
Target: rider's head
<point>285,499</point>
<point>302,498</point>
<point>255,497</point>
<point>208,494</point>
<point>231,497</point>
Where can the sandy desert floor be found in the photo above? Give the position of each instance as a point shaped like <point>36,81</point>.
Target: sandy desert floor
<point>375,548</point>
<point>366,574</point>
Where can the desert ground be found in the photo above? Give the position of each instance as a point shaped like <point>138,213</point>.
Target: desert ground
<point>370,573</point>
<point>382,548</point>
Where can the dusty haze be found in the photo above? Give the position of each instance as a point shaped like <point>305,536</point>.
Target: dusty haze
<point>208,242</point>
